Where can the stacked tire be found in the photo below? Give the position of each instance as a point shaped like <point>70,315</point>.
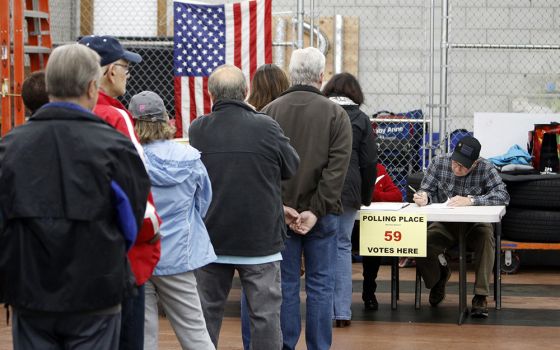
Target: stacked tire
<point>533,214</point>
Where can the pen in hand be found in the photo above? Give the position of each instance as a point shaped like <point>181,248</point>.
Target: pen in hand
<point>420,196</point>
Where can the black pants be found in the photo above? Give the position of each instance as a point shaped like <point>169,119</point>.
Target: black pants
<point>65,332</point>
<point>370,266</point>
<point>132,325</point>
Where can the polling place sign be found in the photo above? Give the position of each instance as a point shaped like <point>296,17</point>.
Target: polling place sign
<point>386,233</point>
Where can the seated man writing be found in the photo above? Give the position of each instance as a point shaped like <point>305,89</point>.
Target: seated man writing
<point>462,179</point>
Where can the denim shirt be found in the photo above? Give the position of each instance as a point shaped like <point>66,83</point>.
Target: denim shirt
<point>182,194</point>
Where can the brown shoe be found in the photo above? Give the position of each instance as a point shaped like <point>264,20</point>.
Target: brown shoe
<point>479,307</point>
<point>342,323</point>
<point>437,293</point>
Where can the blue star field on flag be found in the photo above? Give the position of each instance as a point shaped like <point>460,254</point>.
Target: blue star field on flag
<point>199,40</point>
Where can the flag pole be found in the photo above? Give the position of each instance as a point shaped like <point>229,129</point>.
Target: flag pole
<point>300,13</point>
<point>312,23</point>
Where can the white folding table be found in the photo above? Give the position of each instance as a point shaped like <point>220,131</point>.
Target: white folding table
<point>486,214</point>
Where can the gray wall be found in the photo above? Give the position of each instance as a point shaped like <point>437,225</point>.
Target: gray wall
<point>393,52</point>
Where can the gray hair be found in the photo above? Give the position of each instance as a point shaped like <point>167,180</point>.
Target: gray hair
<point>306,66</point>
<point>70,69</point>
<point>227,82</point>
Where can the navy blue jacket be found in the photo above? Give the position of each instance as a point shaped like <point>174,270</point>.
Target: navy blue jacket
<point>61,244</point>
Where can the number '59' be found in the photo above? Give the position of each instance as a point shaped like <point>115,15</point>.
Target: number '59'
<point>393,236</point>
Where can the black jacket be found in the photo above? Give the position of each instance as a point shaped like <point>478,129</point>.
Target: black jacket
<point>360,178</point>
<point>61,249</point>
<point>247,156</point>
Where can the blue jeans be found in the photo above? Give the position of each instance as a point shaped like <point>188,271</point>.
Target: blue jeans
<point>343,275</point>
<point>319,251</point>
<point>132,323</point>
<point>245,322</point>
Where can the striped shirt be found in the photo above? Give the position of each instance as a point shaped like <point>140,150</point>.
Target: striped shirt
<point>483,183</point>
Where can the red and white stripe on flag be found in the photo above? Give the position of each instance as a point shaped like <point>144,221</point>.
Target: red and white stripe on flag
<point>207,36</point>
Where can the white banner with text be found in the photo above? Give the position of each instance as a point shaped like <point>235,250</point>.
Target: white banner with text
<point>386,233</point>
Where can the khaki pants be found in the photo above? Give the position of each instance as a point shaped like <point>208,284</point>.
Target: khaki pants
<point>443,235</point>
<point>179,297</point>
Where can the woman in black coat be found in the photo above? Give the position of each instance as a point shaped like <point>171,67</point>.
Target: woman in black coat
<point>345,90</point>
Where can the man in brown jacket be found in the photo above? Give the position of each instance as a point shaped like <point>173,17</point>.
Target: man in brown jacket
<point>321,133</point>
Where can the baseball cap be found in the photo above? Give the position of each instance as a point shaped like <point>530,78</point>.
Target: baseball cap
<point>109,48</point>
<point>467,151</point>
<point>147,106</point>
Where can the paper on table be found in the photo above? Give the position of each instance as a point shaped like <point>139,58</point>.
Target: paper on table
<point>386,206</point>
<point>443,205</point>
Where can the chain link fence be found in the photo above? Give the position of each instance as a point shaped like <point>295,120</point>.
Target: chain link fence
<point>393,71</point>
<point>502,58</point>
<point>393,56</point>
<point>394,60</point>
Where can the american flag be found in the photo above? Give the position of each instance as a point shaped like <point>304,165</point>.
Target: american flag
<point>207,36</point>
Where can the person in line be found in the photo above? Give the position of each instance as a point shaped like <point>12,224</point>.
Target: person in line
<point>462,178</point>
<point>344,89</point>
<point>385,191</point>
<point>73,196</point>
<point>182,195</point>
<point>145,254</point>
<point>320,131</point>
<point>34,91</point>
<point>268,83</point>
<point>247,156</point>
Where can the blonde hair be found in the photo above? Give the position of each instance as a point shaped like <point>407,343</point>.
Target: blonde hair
<point>154,131</point>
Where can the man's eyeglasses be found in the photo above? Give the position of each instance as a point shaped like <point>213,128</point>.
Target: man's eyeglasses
<point>461,166</point>
<point>125,66</point>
